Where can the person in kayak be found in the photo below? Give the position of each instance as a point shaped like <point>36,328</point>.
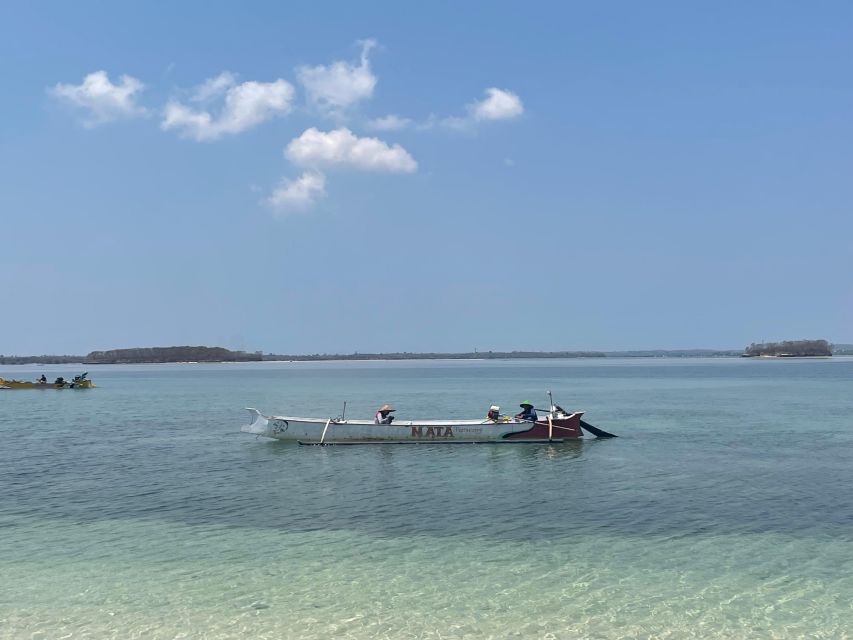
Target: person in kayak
<point>383,416</point>
<point>528,413</point>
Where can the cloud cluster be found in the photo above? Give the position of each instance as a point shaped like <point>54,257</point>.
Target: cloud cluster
<point>245,106</point>
<point>336,149</point>
<point>222,106</point>
<point>339,85</point>
<point>342,148</point>
<point>104,100</point>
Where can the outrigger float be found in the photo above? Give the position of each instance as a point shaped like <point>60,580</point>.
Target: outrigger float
<point>557,426</point>
<point>79,382</point>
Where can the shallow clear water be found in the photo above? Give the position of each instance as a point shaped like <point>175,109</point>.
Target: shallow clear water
<point>138,509</point>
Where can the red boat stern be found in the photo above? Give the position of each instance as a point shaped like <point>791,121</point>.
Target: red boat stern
<point>562,428</point>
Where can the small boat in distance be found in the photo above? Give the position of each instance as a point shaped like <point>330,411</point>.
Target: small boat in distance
<point>557,426</point>
<point>78,382</point>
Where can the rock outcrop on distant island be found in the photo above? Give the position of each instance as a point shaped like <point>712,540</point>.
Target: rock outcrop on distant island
<point>790,349</point>
<point>169,354</point>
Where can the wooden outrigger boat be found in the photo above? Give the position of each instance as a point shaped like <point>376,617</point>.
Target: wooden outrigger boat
<point>79,382</point>
<point>557,426</point>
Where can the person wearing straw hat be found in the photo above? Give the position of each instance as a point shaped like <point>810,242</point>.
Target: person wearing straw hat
<point>383,416</point>
<point>528,413</point>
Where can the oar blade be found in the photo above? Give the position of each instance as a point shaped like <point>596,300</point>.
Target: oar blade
<point>598,433</point>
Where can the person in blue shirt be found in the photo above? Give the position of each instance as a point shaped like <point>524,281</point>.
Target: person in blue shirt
<point>528,412</point>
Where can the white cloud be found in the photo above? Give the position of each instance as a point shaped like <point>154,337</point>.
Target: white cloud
<point>292,196</point>
<point>341,147</point>
<point>214,86</point>
<point>104,100</point>
<point>499,105</point>
<point>389,123</point>
<point>340,84</point>
<point>246,105</point>
<point>457,124</point>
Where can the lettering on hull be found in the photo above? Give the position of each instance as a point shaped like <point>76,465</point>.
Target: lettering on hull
<point>432,432</point>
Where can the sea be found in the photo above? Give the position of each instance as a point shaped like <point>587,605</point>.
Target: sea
<point>138,509</point>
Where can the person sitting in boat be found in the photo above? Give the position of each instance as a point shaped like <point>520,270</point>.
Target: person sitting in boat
<point>528,412</point>
<point>383,416</point>
<point>59,380</point>
<point>494,413</point>
<point>42,380</point>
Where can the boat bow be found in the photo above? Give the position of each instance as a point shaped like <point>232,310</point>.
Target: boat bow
<point>259,425</point>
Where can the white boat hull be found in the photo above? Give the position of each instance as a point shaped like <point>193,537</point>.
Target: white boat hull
<point>316,430</point>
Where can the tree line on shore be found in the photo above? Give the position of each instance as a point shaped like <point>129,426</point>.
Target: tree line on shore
<point>790,348</point>
<point>45,359</point>
<point>141,355</point>
<point>406,355</point>
<point>217,354</point>
<point>169,354</point>
<point>220,354</point>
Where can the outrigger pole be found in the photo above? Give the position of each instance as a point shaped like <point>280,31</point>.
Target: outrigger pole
<point>323,437</point>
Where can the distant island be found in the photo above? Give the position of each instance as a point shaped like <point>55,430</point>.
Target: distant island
<point>40,359</point>
<point>219,354</point>
<point>794,348</point>
<point>789,349</point>
<point>169,354</point>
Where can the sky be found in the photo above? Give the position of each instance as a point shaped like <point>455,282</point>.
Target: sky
<point>444,176</point>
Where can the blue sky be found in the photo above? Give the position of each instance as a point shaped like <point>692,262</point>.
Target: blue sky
<point>554,176</point>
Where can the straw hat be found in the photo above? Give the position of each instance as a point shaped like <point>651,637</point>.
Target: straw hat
<point>387,407</point>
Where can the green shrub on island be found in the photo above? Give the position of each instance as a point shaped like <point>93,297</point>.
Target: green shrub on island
<point>790,349</point>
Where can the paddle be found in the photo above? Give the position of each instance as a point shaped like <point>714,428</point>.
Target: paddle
<point>598,433</point>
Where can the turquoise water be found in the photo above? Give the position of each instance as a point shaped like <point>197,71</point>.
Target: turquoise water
<point>138,509</point>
